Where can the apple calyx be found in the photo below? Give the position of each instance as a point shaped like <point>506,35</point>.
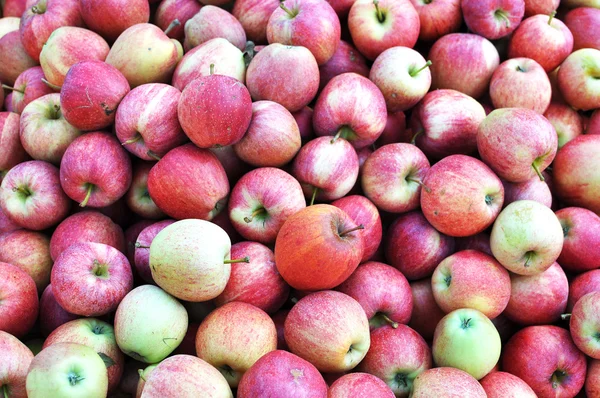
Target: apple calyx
<point>74,378</point>
<point>172,26</point>
<point>401,380</point>
<point>90,188</point>
<point>292,14</point>
<point>501,14</point>
<point>380,14</point>
<point>564,317</point>
<point>314,195</point>
<point>138,245</point>
<point>415,72</point>
<point>135,139</point>
<point>257,212</point>
<point>537,170</point>
<point>238,260</point>
<point>466,323</point>
<point>346,232</point>
<point>4,86</point>
<point>153,155</point>
<point>557,378</point>
<point>100,270</point>
<point>552,15</point>
<point>52,86</point>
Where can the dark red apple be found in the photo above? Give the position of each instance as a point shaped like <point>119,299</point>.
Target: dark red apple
<point>110,18</point>
<point>19,306</point>
<point>581,285</point>
<point>142,248</point>
<point>493,19</point>
<point>52,315</point>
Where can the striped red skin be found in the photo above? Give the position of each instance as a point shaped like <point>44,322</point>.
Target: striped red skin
<point>170,10</point>
<point>360,385</point>
<point>581,285</point>
<point>137,197</point>
<point>16,359</point>
<point>345,59</point>
<point>30,251</point>
<point>532,189</point>
<point>592,383</point>
<point>438,18</point>
<point>17,60</point>
<point>502,384</point>
<point>110,18</point>
<point>581,246</point>
<point>482,17</point>
<point>447,382</point>
<point>584,23</point>
<point>211,22</point>
<point>29,86</point>
<point>11,150</point>
<point>585,324</point>
<point>19,300</point>
<point>254,16</point>
<point>426,313</point>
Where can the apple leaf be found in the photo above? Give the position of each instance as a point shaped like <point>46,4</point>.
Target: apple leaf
<point>108,361</point>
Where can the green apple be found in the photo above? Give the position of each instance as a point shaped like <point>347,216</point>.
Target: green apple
<point>467,340</point>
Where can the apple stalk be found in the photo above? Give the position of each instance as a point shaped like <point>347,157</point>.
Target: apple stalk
<point>4,86</point>
<point>172,26</point>
<point>52,86</point>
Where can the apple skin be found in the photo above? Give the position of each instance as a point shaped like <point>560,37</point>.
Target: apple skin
<point>234,167</point>
<point>170,10</point>
<point>20,303</point>
<point>577,79</point>
<point>282,373</point>
<point>110,18</point>
<point>400,26</point>
<point>346,59</point>
<point>395,130</point>
<point>584,23</point>
<point>148,114</point>
<point>67,46</point>
<point>329,329</point>
<point>585,324</point>
<point>16,358</point>
<point>493,19</point>
<point>581,247</point>
<point>548,42</point>
<point>11,150</point>
<point>31,196</point>
<point>439,381</point>
<point>192,375</point>
<point>360,384</point>
<point>28,87</point>
<point>211,22</point>
<point>592,382</point>
<point>269,76</point>
<point>438,18</point>
<point>521,83</point>
<point>581,285</point>
<point>137,197</point>
<point>29,251</point>
<point>97,335</point>
<point>17,60</point>
<point>90,94</point>
<point>532,189</point>
<point>52,315</point>
<point>14,8</point>
<point>502,384</point>
<point>573,172</point>
<point>517,143</point>
<point>6,225</point>
<point>426,313</point>
<point>463,62</point>
<point>67,369</point>
<point>254,16</point>
<point>310,253</point>
<point>538,351</point>
<point>142,251</point>
<point>467,340</point>
<point>535,7</point>
<point>567,122</point>
<point>471,279</point>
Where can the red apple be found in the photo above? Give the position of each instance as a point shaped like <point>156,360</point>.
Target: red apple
<point>16,60</point>
<point>11,150</point>
<point>142,248</point>
<point>28,87</point>
<point>211,22</point>
<point>395,130</point>
<point>14,8</point>
<point>29,251</point>
<point>131,235</point>
<point>493,19</point>
<point>170,10</point>
<point>581,285</point>
<point>440,381</point>
<point>578,79</point>
<point>16,358</point>
<point>6,224</point>
<point>584,23</point>
<point>345,59</point>
<point>532,189</point>
<point>567,122</point>
<point>502,385</point>
<point>585,324</point>
<point>19,307</point>
<point>426,313</point>
<point>592,383</point>
<point>535,7</point>
<point>360,384</point>
<point>138,199</point>
<point>52,315</point>
<point>234,167</point>
<point>438,18</point>
<point>581,247</point>
<point>110,18</point>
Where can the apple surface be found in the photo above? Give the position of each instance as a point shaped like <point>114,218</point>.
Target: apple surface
<point>346,59</point>
<point>502,384</point>
<point>438,18</point>
<point>170,10</point>
<point>52,315</point>
<point>19,306</point>
<point>439,381</point>
<point>211,22</point>
<point>15,362</point>
<point>585,324</point>
<point>581,285</point>
<point>111,18</point>
<point>30,251</point>
<point>578,79</point>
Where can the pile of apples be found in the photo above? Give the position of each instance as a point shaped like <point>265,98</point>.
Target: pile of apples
<point>306,198</point>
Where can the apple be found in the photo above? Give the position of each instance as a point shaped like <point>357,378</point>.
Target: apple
<point>211,22</point>
<point>502,384</point>
<point>28,87</point>
<point>90,94</point>
<point>16,60</point>
<point>592,382</point>
<point>585,324</point>
<point>189,182</point>
<point>578,79</point>
<point>545,39</point>
<point>131,235</point>
<point>95,170</point>
<point>234,167</point>
<point>547,360</point>
<point>309,327</point>
<point>345,59</point>
<point>439,381</point>
<point>493,19</point>
<point>532,189</point>
<point>360,384</point>
<point>16,358</point>
<point>279,320</point>
<point>142,248</point>
<point>535,7</point>
<point>254,16</point>
<point>438,18</point>
<point>567,122</point>
<point>583,23</point>
<point>14,8</point>
<point>6,225</point>
<point>170,10</point>
<point>110,18</point>
<point>138,198</point>
<point>11,150</point>
<point>97,335</point>
<point>19,307</point>
<point>378,25</point>
<point>29,251</point>
<point>581,285</point>
<point>581,247</point>
<point>395,130</point>
<point>143,376</point>
<point>52,315</point>
<point>467,340</point>
<point>31,196</point>
<point>67,369</point>
<point>318,248</point>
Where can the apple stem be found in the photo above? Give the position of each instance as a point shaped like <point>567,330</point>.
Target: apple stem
<point>502,15</point>
<point>416,72</point>
<point>538,172</point>
<point>12,88</point>
<point>5,391</point>
<point>212,69</point>
<point>552,15</point>
<point>133,140</point>
<point>52,86</point>
<point>352,230</point>
<point>138,245</point>
<point>239,260</point>
<point>172,26</point>
<point>87,195</point>
<point>153,155</point>
<point>564,317</point>
<point>314,196</point>
<point>380,15</point>
<point>255,213</point>
<point>425,187</point>
<point>393,324</point>
<point>336,136</point>
<point>284,8</point>
<point>141,374</point>
<point>21,191</point>
<point>413,141</point>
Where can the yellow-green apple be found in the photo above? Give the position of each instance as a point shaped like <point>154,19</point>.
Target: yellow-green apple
<point>581,247</point>
<point>14,364</point>
<point>272,138</point>
<point>44,17</point>
<point>502,385</point>
<point>546,358</point>
<point>66,370</point>
<point>309,23</point>
<point>67,46</point>
<point>146,121</point>
<point>91,279</point>
<point>538,299</point>
<point>44,132</point>
<point>438,18</point>
<point>99,336</point>
<point>90,94</point>
<point>378,25</point>
<point>170,10</point>
<point>193,376</point>
<point>109,18</point>
<point>467,340</point>
<point>581,285</point>
<point>95,170</point>
<point>415,247</point>
<point>360,384</point>
<point>585,324</point>
<point>526,238</point>
<point>16,60</point>
<point>535,7</point>
<point>137,198</point>
<point>462,196</point>
<point>579,79</point>
<point>190,259</point>
<point>215,110</point>
<point>363,212</point>
<point>329,329</point>
<point>52,315</point>
<point>326,168</point>
<point>31,195</point>
<point>520,83</point>
<point>517,143</point>
<point>567,122</point>
<point>573,172</point>
<point>6,224</point>
<point>257,282</point>
<point>442,381</point>
<point>397,356</point>
<point>142,248</point>
<point>11,150</point>
<point>345,59</point>
<point>254,16</point>
<point>262,200</point>
<point>584,23</point>
<point>212,22</point>
<point>227,59</point>
<point>426,313</point>
<point>30,251</point>
<point>493,19</point>
<point>471,279</point>
<point>532,189</point>
<point>189,182</point>
<point>9,24</point>
<point>269,76</point>
<point>318,248</point>
<point>28,87</point>
<point>547,40</point>
<point>19,306</point>
<point>351,107</point>
<point>592,382</point>
<point>150,332</point>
